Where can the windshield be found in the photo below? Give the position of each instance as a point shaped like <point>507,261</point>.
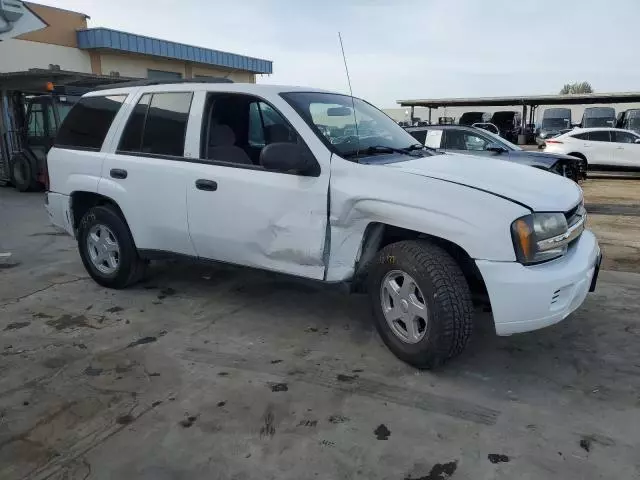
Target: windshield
<point>555,123</point>
<point>598,122</point>
<point>347,132</point>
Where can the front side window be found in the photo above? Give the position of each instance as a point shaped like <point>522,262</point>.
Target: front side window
<point>462,140</point>
<point>349,126</point>
<point>267,126</point>
<point>158,124</point>
<point>624,137</point>
<point>88,122</point>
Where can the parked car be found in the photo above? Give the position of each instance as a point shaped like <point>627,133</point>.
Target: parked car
<point>629,120</point>
<point>241,173</point>
<point>598,117</point>
<point>604,147</point>
<point>479,142</point>
<point>554,121</point>
<point>509,124</point>
<point>469,118</point>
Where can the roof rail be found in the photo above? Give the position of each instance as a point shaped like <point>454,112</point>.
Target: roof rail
<point>147,82</point>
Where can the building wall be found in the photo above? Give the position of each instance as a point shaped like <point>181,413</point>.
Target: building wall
<point>62,26</point>
<point>137,65</point>
<point>19,55</point>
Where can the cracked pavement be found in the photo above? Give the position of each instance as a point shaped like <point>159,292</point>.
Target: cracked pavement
<point>218,372</point>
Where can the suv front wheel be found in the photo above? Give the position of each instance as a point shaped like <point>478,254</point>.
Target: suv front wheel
<point>421,303</point>
<point>107,249</point>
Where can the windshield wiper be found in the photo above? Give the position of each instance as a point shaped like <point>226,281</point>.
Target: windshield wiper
<point>386,149</point>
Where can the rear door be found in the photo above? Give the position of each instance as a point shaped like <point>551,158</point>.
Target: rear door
<point>238,211</point>
<point>626,152</point>
<point>145,170</point>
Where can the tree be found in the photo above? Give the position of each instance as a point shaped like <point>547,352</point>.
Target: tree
<point>576,87</point>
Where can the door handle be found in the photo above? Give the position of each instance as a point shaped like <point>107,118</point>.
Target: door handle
<point>118,173</point>
<point>206,185</point>
<point>619,148</point>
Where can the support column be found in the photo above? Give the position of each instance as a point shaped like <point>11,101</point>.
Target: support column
<point>429,115</point>
<point>412,113</point>
<point>522,137</point>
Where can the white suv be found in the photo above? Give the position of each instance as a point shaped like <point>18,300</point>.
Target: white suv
<point>322,186</point>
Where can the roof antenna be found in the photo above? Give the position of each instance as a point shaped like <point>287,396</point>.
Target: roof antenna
<point>353,103</point>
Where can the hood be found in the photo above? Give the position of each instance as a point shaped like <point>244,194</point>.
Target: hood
<point>538,159</point>
<point>536,189</point>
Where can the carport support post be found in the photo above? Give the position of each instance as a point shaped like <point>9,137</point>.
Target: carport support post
<point>429,115</point>
<point>412,111</point>
<point>522,137</point>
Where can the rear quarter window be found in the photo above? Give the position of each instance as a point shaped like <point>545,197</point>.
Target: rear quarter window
<point>88,122</point>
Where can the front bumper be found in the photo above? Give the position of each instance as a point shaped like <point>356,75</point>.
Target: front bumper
<point>525,298</point>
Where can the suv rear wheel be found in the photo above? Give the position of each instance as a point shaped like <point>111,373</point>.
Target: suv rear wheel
<point>421,303</point>
<point>107,249</point>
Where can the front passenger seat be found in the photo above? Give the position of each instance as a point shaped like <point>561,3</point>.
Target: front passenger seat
<point>222,146</point>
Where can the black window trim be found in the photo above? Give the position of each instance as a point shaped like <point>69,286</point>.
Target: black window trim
<point>63,146</point>
<point>204,132</point>
<point>144,124</point>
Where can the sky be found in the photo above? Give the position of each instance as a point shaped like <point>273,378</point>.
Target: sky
<point>403,49</point>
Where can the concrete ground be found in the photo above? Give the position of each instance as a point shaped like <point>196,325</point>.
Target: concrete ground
<point>223,373</point>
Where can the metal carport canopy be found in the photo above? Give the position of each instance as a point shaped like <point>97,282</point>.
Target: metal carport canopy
<point>35,80</point>
<point>572,99</point>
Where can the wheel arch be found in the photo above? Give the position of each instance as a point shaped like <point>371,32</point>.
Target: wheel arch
<point>378,235</point>
<point>82,201</point>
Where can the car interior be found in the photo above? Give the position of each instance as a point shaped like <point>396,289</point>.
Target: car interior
<point>238,127</point>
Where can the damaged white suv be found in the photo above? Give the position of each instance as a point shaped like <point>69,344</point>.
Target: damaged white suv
<point>326,187</point>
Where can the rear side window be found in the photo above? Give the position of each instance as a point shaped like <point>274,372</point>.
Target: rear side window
<point>581,136</point>
<point>158,124</point>
<point>599,136</point>
<point>88,122</point>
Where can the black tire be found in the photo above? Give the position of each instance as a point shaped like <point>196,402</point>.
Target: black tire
<point>130,267</point>
<point>446,294</point>
<point>23,173</point>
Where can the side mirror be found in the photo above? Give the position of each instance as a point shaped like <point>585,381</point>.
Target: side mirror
<point>289,158</point>
<point>494,147</point>
<point>637,140</point>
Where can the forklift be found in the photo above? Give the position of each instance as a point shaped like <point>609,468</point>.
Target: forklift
<point>43,115</point>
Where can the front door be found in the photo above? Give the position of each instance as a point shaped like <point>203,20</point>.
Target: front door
<point>598,148</point>
<point>243,214</point>
<point>469,143</point>
<point>626,152</point>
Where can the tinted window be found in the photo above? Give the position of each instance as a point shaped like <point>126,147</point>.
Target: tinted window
<point>420,135</point>
<point>131,140</point>
<point>624,137</point>
<point>88,122</point>
<point>461,140</point>
<point>581,136</point>
<point>157,124</point>
<point>599,136</point>
<point>36,121</point>
<point>166,123</point>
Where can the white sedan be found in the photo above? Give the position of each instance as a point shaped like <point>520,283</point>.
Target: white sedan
<point>611,147</point>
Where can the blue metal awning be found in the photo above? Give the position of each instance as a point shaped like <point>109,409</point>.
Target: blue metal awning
<point>132,43</point>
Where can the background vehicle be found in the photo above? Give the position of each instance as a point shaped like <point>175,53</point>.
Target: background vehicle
<point>554,121</point>
<point>252,175</point>
<point>469,118</point>
<point>598,117</point>
<point>508,122</point>
<point>475,141</point>
<point>44,116</point>
<point>608,147</point>
<point>629,120</point>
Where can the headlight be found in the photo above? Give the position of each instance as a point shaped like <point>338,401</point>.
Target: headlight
<point>543,236</point>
